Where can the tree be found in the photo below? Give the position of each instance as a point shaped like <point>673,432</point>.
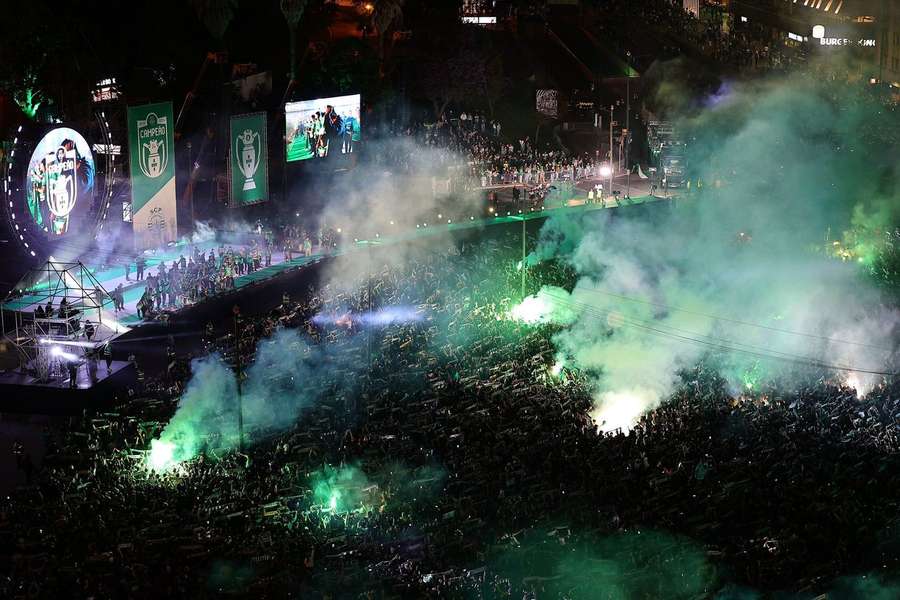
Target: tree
<point>387,15</point>
<point>28,44</point>
<point>471,70</point>
<point>28,97</point>
<point>351,66</point>
<point>293,12</point>
<point>216,15</point>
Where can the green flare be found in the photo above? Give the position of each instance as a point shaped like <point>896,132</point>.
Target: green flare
<point>549,305</point>
<point>752,376</point>
<point>557,368</point>
<point>340,490</point>
<point>207,406</point>
<point>161,457</point>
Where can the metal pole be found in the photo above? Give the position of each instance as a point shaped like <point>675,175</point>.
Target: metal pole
<point>610,150</point>
<point>628,134</point>
<point>240,399</point>
<point>190,184</point>
<point>523,257</point>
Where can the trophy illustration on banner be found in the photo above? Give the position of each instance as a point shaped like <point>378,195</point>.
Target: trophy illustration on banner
<point>154,162</point>
<point>247,149</point>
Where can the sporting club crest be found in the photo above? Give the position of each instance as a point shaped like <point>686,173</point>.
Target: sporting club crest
<point>62,187</point>
<point>152,136</point>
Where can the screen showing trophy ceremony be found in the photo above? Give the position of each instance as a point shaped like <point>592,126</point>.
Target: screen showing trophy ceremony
<point>322,128</point>
<point>59,182</point>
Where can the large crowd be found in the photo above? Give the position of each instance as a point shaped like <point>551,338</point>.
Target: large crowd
<point>205,273</point>
<point>189,280</point>
<point>475,461</point>
<point>713,34</point>
<point>479,156</point>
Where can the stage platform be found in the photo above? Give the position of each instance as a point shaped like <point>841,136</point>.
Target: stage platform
<point>95,386</point>
<point>116,322</point>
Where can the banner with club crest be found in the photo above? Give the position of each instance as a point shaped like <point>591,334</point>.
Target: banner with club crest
<point>151,155</point>
<point>249,159</point>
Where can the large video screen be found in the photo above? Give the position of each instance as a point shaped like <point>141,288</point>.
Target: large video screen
<point>60,182</point>
<point>322,128</point>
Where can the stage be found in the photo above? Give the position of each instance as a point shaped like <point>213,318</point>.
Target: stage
<point>62,315</point>
<point>114,322</point>
<point>134,289</point>
<point>95,386</point>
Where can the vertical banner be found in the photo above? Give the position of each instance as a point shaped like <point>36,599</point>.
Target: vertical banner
<point>249,159</point>
<point>151,152</point>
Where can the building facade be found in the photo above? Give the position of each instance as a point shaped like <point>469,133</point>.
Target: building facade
<point>850,34</point>
<point>890,49</point>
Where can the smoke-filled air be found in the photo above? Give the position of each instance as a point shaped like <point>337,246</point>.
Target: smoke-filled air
<point>765,274</point>
<point>287,375</point>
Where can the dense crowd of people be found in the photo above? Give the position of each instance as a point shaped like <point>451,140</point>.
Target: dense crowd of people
<point>478,156</point>
<point>188,280</point>
<point>202,274</point>
<point>713,34</point>
<point>474,463</point>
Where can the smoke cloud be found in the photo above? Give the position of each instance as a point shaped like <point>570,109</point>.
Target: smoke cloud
<point>740,272</point>
<point>403,186</point>
<point>646,564</point>
<point>288,375</point>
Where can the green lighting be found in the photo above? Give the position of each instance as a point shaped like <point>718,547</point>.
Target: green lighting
<point>340,490</point>
<point>29,102</point>
<point>752,377</point>
<point>531,310</point>
<point>547,306</point>
<point>161,458</point>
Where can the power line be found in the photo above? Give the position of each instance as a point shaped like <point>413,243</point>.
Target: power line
<point>736,321</point>
<point>726,345</point>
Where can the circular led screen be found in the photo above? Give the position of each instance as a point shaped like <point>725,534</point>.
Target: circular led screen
<point>59,183</point>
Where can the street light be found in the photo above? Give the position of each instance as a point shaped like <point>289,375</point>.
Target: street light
<point>605,171</point>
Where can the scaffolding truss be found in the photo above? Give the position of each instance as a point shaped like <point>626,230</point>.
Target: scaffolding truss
<point>54,318</point>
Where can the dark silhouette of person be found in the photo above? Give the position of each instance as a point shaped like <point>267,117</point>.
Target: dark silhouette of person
<point>333,126</point>
<point>72,366</point>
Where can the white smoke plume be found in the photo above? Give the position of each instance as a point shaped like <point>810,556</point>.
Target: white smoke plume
<point>737,274</point>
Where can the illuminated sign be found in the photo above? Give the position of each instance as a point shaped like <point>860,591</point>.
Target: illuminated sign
<point>835,41</point>
<point>842,36</point>
<point>547,102</point>
<point>113,149</point>
<point>321,128</point>
<point>480,20</point>
<point>106,90</point>
<point>60,173</point>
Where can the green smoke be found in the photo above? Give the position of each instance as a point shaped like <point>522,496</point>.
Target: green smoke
<point>736,272</point>
<point>287,375</point>
<point>340,490</point>
<point>549,305</point>
<point>637,564</point>
<point>753,376</point>
<point>206,417</point>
